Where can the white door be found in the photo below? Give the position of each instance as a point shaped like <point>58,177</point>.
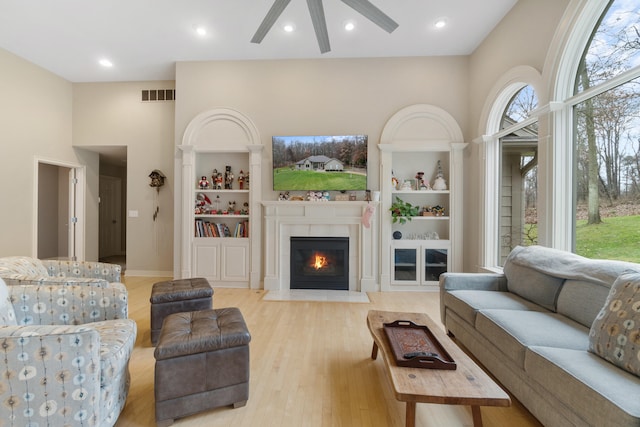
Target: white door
<point>110,225</point>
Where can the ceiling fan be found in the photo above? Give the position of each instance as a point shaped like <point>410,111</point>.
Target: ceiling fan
<point>316,10</point>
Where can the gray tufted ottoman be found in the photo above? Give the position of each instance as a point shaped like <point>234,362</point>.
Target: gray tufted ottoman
<point>202,362</point>
<point>177,296</point>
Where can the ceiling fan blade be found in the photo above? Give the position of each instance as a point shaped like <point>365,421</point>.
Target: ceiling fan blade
<point>270,18</point>
<point>319,24</point>
<point>373,14</point>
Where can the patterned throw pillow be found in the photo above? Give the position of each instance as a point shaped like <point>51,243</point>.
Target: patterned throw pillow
<point>7,315</point>
<point>615,333</point>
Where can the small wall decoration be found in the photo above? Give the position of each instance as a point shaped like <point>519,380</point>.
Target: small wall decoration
<point>157,181</point>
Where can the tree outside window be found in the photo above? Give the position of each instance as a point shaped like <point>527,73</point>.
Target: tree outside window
<point>607,138</point>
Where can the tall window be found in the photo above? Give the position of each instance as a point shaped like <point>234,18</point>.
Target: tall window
<point>518,218</point>
<point>607,138</point>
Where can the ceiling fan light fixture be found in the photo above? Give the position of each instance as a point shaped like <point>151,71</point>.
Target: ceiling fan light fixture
<point>105,63</point>
<point>201,31</point>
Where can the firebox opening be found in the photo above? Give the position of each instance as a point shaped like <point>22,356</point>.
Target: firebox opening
<point>319,263</point>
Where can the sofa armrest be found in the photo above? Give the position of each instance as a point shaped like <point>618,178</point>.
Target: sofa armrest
<point>21,279</point>
<point>61,375</point>
<point>469,281</point>
<point>473,281</point>
<point>96,270</point>
<point>68,304</point>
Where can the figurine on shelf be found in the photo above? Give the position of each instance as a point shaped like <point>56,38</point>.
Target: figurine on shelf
<point>214,174</point>
<point>439,183</point>
<point>203,204</point>
<point>217,181</point>
<point>217,202</point>
<point>245,209</point>
<point>232,206</point>
<point>246,181</point>
<point>406,185</point>
<point>241,180</point>
<point>204,183</point>
<point>394,181</point>
<point>283,197</point>
<point>422,184</point>
<point>228,178</point>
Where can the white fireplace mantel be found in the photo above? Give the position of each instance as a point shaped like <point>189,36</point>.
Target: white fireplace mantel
<point>284,219</point>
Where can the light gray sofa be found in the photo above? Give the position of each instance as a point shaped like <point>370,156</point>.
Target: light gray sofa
<point>66,343</point>
<point>536,326</point>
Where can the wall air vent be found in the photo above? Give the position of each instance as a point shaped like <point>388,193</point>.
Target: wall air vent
<point>154,95</point>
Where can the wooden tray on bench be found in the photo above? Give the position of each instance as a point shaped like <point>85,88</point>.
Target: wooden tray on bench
<point>414,346</point>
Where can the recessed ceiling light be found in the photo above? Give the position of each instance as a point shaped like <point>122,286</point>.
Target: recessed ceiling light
<point>106,63</point>
<point>441,22</point>
<point>201,31</point>
<point>349,25</point>
<point>289,28</point>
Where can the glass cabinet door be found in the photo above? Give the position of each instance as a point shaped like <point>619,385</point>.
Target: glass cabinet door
<point>405,265</point>
<point>435,263</point>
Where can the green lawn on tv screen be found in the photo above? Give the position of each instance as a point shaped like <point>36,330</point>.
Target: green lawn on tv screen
<point>292,180</point>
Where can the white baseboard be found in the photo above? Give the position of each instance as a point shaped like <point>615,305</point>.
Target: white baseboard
<point>148,273</point>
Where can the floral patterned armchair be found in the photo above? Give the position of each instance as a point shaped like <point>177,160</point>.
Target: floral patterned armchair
<point>66,349</point>
<point>22,270</point>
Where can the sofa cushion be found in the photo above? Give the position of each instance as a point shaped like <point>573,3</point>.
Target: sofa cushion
<point>467,303</point>
<point>615,334</point>
<point>581,300</point>
<point>602,394</point>
<point>512,331</point>
<point>7,314</point>
<point>531,284</point>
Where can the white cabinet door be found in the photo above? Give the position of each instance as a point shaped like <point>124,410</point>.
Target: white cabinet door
<point>234,259</point>
<point>206,259</point>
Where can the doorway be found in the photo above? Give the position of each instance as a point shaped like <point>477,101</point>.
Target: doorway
<point>110,217</point>
<point>58,196</point>
<point>112,192</point>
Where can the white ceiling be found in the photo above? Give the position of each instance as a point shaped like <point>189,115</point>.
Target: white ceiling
<point>145,38</point>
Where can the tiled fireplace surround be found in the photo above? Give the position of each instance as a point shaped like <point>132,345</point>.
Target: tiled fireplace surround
<point>283,220</point>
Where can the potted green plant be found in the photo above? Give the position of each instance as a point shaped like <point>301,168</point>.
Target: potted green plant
<point>402,211</point>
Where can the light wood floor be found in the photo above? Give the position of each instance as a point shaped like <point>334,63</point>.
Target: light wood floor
<point>310,366</point>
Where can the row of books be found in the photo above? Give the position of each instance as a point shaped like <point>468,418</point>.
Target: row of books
<point>218,229</point>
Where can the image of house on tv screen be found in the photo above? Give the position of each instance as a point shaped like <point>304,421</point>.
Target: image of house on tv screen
<point>320,163</point>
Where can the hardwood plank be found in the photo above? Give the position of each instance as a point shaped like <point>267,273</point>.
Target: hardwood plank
<point>310,366</point>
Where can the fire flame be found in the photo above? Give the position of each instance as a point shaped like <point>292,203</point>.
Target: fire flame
<point>320,262</point>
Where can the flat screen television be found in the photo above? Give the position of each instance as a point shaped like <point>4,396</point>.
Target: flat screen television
<point>320,163</point>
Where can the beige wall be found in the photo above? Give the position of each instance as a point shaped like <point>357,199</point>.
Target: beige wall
<point>316,97</point>
<point>107,114</point>
<point>35,122</point>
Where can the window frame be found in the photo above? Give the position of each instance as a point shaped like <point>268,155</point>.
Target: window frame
<point>563,167</point>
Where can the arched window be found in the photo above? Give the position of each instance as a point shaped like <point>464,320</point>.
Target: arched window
<point>606,137</point>
<point>518,158</point>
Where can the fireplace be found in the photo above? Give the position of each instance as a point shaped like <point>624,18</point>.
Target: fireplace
<point>319,263</point>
